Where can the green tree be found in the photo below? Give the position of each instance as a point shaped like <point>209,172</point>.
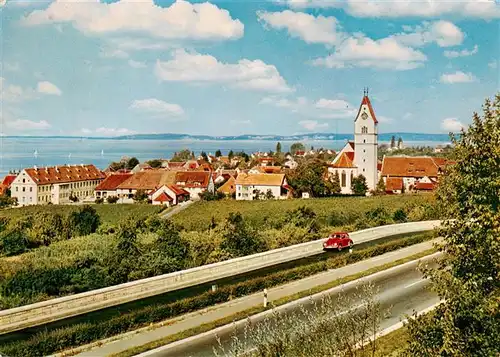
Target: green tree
<point>13,241</point>
<point>170,242</point>
<point>140,196</point>
<point>204,156</point>
<point>257,194</point>
<point>112,199</point>
<point>218,153</point>
<point>380,188</point>
<point>309,177</point>
<point>468,276</point>
<point>297,147</point>
<point>84,221</point>
<point>182,156</point>
<point>269,195</point>
<point>393,142</point>
<point>358,185</point>
<point>278,148</point>
<point>132,162</point>
<point>47,228</point>
<point>400,143</point>
<point>334,184</point>
<point>155,163</point>
<point>230,155</point>
<point>303,217</point>
<point>7,201</point>
<point>238,239</point>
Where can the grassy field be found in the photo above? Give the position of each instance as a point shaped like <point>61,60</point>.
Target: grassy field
<point>109,213</point>
<point>198,216</point>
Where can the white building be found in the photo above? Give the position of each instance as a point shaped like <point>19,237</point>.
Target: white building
<point>55,184</point>
<point>247,186</point>
<point>359,157</point>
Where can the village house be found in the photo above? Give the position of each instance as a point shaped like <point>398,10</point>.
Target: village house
<point>195,182</point>
<point>229,187</point>
<point>248,185</point>
<point>56,184</point>
<point>359,157</point>
<point>265,170</point>
<point>6,183</point>
<point>168,195</point>
<point>145,181</point>
<point>412,172</point>
<point>108,187</point>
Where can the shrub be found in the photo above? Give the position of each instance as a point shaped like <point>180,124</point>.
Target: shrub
<point>84,221</point>
<point>112,199</point>
<point>99,200</point>
<point>400,216</point>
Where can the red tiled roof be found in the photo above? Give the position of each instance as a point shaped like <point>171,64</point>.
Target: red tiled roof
<point>366,101</point>
<point>7,180</point>
<point>345,160</point>
<point>394,184</point>
<point>300,153</point>
<point>111,182</point>
<point>163,197</point>
<point>192,178</point>
<point>63,174</point>
<point>407,166</point>
<point>177,190</point>
<point>176,164</point>
<point>351,144</point>
<point>425,186</point>
<point>148,180</point>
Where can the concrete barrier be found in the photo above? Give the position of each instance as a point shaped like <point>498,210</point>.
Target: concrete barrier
<point>61,308</point>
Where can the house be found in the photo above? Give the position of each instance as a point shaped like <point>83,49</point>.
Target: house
<point>195,182</point>
<point>141,167</point>
<point>394,185</point>
<point>176,166</point>
<point>229,187</point>
<point>146,181</point>
<point>6,183</point>
<point>359,157</point>
<point>266,161</point>
<point>56,184</point>
<point>265,170</point>
<point>168,195</point>
<point>248,185</point>
<point>291,164</point>
<point>414,169</point>
<point>108,187</point>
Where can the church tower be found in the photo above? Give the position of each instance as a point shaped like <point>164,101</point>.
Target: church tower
<point>366,142</point>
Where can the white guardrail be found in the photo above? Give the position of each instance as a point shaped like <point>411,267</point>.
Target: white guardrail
<point>56,309</point>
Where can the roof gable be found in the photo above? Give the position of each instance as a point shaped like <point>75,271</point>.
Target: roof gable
<point>260,179</point>
<point>344,160</point>
<point>366,101</point>
<point>408,166</point>
<point>64,174</point>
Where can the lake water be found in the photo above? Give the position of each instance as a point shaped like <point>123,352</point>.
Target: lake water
<point>19,153</point>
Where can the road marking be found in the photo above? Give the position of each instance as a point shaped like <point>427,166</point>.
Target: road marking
<point>415,283</point>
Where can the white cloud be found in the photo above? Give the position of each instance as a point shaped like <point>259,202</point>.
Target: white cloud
<point>136,64</point>
<point>323,108</point>
<point>493,64</point>
<point>384,119</point>
<point>46,87</point>
<point>113,131</point>
<point>444,33</point>
<point>11,67</point>
<point>451,125</point>
<point>462,53</point>
<point>181,20</point>
<point>457,77</point>
<point>113,53</point>
<point>199,68</point>
<point>11,93</point>
<point>311,29</point>
<point>361,51</point>
<point>407,8</point>
<point>312,125</point>
<point>157,107</point>
<point>23,125</point>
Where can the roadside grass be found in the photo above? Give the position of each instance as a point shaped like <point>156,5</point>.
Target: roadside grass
<point>387,345</point>
<point>198,216</point>
<point>109,213</point>
<point>114,321</point>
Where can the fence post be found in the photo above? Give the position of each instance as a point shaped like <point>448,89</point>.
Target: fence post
<point>214,288</point>
<point>265,297</point>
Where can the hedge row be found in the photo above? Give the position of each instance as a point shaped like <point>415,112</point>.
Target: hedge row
<point>51,341</point>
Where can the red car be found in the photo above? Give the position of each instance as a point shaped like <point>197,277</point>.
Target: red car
<point>338,241</point>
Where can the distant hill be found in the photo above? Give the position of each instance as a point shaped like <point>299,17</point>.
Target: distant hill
<point>312,136</point>
<point>300,137</point>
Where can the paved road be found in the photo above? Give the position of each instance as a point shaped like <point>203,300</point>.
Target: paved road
<point>177,209</point>
<point>214,313</point>
<point>403,291</point>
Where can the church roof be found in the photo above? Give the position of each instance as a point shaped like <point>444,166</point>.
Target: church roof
<point>345,160</point>
<point>366,101</point>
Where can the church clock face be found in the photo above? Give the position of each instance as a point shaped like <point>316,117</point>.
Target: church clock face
<point>364,116</point>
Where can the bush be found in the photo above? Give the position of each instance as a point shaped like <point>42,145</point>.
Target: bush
<point>400,216</point>
<point>209,196</point>
<point>99,200</point>
<point>112,199</point>
<point>84,221</point>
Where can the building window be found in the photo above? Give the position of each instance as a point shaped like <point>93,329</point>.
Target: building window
<point>24,189</point>
<point>364,130</point>
<point>31,189</point>
<point>364,141</point>
<point>343,179</point>
<point>17,189</point>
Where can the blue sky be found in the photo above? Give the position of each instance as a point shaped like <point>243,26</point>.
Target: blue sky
<point>235,67</point>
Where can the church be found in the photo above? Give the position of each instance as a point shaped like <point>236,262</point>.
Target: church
<point>359,157</point>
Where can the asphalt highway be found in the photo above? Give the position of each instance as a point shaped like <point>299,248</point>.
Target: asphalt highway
<point>401,292</point>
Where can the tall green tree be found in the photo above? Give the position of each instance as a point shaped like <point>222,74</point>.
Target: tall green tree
<point>230,155</point>
<point>204,156</point>
<point>393,142</point>
<point>297,147</point>
<point>309,177</point>
<point>334,184</point>
<point>238,238</point>
<point>132,162</point>
<point>84,221</point>
<point>218,153</point>
<point>358,185</point>
<point>278,148</point>
<point>182,156</point>
<point>468,276</point>
<point>380,188</point>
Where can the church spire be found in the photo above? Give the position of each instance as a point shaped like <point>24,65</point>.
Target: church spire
<point>365,91</point>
